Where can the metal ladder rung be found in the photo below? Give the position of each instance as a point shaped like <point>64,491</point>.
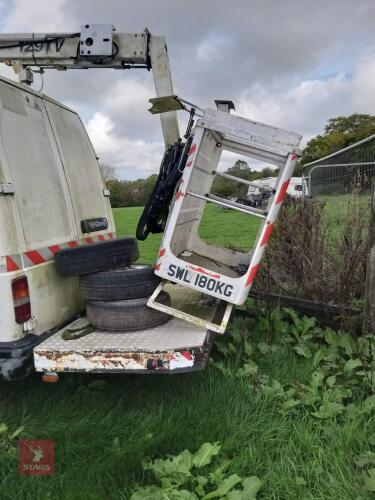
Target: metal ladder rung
<point>211,198</point>
<point>244,181</point>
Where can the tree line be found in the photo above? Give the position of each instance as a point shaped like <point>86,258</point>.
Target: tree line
<point>131,193</point>
<point>339,133</point>
<point>135,193</point>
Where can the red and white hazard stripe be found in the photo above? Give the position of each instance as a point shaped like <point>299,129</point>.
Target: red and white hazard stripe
<point>15,262</point>
<point>271,219</point>
<point>191,155</point>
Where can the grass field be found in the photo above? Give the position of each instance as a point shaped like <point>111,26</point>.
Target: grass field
<point>226,227</point>
<point>103,434</point>
<point>218,226</point>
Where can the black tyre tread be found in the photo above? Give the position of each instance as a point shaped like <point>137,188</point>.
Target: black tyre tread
<point>126,315</point>
<point>96,257</point>
<point>134,282</point>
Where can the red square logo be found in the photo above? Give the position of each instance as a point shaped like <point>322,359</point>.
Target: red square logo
<point>36,457</point>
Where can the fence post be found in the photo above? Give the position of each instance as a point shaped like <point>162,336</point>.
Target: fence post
<point>369,309</point>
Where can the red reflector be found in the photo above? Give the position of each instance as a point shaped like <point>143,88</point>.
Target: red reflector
<point>50,377</point>
<point>22,313</point>
<point>21,299</point>
<point>20,288</point>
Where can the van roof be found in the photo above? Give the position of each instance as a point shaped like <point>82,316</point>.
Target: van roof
<point>28,89</point>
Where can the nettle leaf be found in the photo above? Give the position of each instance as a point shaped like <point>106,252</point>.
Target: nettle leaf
<point>310,398</point>
<point>329,410</point>
<point>337,393</point>
<point>202,481</point>
<point>331,381</point>
<point>251,486</point>
<point>216,476</point>
<point>351,411</point>
<point>365,459</point>
<point>148,493</point>
<point>275,389</point>
<point>369,481</point>
<point>291,403</point>
<point>348,343</point>
<point>290,392</point>
<point>317,379</point>
<point>303,350</point>
<point>237,495</point>
<point>227,484</point>
<point>3,428</point>
<point>292,314</point>
<point>173,471</point>
<point>249,368</point>
<point>308,323</point>
<point>183,495</point>
<point>332,338</point>
<point>368,404</point>
<point>263,379</point>
<point>264,348</point>
<point>248,349</point>
<point>184,461</point>
<point>205,454</point>
<point>351,365</point>
<point>318,357</point>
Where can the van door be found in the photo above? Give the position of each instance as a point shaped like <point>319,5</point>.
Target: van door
<point>41,193</point>
<point>39,215</point>
<point>83,175</point>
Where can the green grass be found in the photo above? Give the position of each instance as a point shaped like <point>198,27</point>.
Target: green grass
<point>336,208</point>
<point>102,436</point>
<point>126,220</point>
<point>219,226</point>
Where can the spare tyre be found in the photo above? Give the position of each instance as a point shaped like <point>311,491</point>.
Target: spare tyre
<point>96,257</point>
<point>126,315</point>
<point>124,283</point>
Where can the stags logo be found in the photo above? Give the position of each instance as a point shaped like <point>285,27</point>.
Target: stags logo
<point>36,457</point>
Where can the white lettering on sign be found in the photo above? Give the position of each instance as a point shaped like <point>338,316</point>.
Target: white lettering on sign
<point>200,280</point>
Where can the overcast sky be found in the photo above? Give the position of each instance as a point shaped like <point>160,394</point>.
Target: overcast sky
<point>289,63</point>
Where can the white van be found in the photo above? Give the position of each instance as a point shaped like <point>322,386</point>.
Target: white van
<point>295,187</point>
<point>50,182</point>
<point>52,196</point>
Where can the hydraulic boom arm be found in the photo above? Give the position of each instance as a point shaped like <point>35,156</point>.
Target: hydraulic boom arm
<point>95,46</point>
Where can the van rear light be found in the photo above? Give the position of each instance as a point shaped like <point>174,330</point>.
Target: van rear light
<point>21,299</point>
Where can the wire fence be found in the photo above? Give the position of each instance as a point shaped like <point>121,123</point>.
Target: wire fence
<point>319,251</point>
<point>346,172</point>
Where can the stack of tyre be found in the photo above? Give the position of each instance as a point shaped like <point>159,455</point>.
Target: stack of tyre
<point>116,289</point>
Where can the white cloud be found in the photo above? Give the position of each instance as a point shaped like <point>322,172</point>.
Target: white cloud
<point>269,60</point>
<point>306,106</point>
<point>40,15</point>
<point>212,47</point>
<point>132,158</point>
<point>363,98</point>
